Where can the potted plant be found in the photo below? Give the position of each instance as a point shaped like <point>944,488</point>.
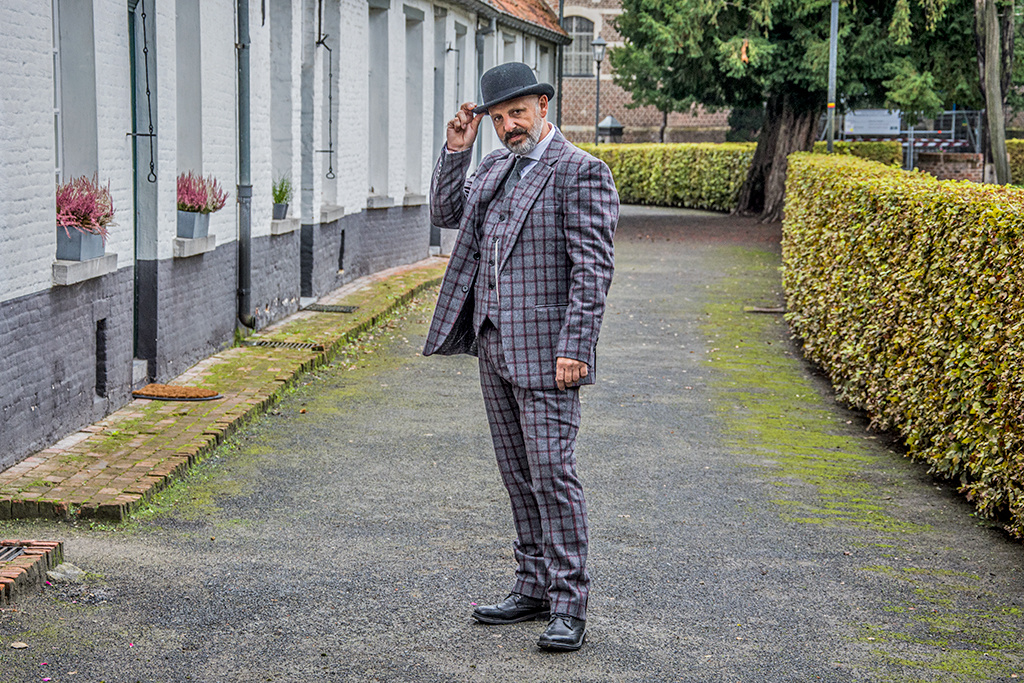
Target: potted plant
<point>84,210</point>
<point>198,197</point>
<point>282,191</point>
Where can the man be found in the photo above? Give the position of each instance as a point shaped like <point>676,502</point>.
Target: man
<point>525,291</point>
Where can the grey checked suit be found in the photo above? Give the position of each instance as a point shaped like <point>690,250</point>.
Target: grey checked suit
<point>552,266</point>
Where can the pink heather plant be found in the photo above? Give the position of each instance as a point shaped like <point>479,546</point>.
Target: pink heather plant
<point>83,204</point>
<point>199,194</point>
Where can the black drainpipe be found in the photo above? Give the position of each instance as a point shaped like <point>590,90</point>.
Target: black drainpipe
<point>244,175</point>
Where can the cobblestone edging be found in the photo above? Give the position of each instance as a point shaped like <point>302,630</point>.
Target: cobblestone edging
<point>108,469</point>
<point>29,568</point>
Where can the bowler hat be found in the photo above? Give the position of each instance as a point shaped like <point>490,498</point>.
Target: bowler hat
<point>507,82</point>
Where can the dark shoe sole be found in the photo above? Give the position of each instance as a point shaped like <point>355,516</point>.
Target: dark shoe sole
<point>498,621</point>
<point>562,647</point>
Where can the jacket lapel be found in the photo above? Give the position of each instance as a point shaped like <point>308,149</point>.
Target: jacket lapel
<point>528,190</point>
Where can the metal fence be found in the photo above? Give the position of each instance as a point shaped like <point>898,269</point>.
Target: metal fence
<point>956,130</point>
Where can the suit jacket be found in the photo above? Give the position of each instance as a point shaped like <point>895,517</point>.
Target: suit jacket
<point>555,265</point>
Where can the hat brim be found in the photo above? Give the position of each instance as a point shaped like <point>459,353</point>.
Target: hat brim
<point>538,89</point>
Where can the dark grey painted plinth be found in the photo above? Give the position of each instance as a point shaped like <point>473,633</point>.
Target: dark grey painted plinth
<point>51,367</point>
<point>359,244</point>
<point>195,309</point>
<point>276,278</point>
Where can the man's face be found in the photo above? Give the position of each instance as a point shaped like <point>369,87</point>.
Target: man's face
<point>519,123</point>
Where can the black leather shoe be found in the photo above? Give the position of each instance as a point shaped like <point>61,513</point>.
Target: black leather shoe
<point>513,609</point>
<point>563,634</point>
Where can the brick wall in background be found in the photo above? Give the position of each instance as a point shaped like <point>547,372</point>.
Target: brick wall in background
<point>641,124</point>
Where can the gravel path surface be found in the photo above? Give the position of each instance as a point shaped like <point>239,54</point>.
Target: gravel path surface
<point>744,526</point>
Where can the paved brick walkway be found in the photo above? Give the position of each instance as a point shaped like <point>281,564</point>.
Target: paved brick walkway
<point>107,469</point>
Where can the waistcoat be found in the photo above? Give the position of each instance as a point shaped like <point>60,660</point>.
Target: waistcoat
<point>491,237</point>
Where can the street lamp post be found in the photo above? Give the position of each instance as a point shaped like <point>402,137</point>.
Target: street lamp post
<point>598,45</point>
<point>833,41</point>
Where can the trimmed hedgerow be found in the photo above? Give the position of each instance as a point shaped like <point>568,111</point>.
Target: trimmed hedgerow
<point>909,291</point>
<point>696,176</point>
<point>888,152</point>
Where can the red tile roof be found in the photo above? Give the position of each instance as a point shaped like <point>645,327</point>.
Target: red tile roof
<point>536,12</point>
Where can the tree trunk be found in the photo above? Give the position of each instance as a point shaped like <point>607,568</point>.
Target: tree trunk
<point>787,128</point>
<point>994,67</point>
<point>664,125</point>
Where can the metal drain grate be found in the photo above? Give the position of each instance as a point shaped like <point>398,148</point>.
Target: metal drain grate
<point>305,346</point>
<point>9,553</point>
<point>331,308</point>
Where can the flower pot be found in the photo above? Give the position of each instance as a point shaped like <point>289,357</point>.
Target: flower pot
<point>280,211</point>
<point>192,224</point>
<point>75,245</point>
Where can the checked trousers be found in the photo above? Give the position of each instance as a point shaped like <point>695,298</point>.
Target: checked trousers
<point>534,434</point>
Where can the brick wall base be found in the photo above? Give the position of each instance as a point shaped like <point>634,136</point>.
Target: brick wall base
<point>196,310</point>
<point>48,377</point>
<point>275,277</point>
<point>373,240</point>
<point>948,166</point>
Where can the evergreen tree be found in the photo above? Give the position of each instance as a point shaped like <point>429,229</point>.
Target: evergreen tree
<point>748,53</point>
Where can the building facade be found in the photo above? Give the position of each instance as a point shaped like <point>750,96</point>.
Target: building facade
<point>585,21</point>
<point>347,99</point>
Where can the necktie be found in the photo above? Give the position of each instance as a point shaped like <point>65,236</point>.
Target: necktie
<point>515,174</point>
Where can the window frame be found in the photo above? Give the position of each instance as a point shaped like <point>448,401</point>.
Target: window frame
<point>577,59</point>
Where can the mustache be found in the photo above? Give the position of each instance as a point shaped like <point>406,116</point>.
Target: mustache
<point>518,131</point>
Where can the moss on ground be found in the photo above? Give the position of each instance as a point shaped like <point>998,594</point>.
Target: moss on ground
<point>773,414</point>
<point>772,410</point>
<point>196,497</point>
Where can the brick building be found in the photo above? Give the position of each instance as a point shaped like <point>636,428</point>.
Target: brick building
<point>347,98</point>
<point>585,21</point>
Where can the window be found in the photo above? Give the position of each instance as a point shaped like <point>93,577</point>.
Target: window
<point>413,100</point>
<point>578,59</point>
<point>378,103</point>
<point>509,47</point>
<point>75,129</point>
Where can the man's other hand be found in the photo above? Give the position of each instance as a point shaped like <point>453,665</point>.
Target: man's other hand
<point>569,372</point>
<point>461,130</point>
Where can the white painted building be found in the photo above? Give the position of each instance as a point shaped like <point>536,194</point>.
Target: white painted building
<point>346,98</point>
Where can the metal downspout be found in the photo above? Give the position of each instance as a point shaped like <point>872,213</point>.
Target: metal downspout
<point>244,174</point>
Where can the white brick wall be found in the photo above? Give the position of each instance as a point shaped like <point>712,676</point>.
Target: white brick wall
<point>165,112</point>
<point>259,131</point>
<point>352,93</point>
<point>27,194</point>
<point>113,86</point>
<point>220,139</point>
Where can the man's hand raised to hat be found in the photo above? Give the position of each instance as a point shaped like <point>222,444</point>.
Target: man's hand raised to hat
<point>462,129</point>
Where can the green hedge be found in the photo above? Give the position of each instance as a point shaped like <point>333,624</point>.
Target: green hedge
<point>888,152</point>
<point>702,175</point>
<point>697,176</point>
<point>909,291</point>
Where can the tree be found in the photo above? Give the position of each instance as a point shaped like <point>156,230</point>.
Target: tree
<point>745,53</point>
<point>640,72</point>
<point>994,34</point>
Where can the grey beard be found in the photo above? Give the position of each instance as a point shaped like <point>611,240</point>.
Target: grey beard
<point>530,143</point>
